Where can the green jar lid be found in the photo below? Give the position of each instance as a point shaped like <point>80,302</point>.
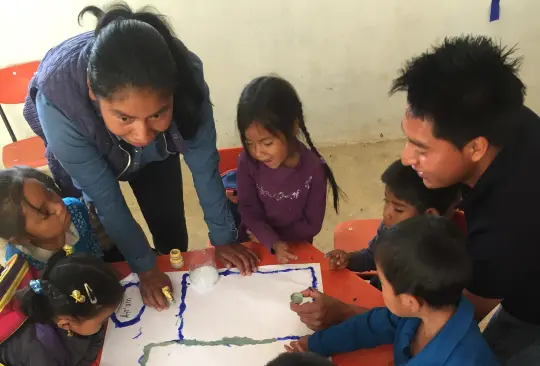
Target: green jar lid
<point>297,298</point>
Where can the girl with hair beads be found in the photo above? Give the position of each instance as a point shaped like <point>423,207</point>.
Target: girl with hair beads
<point>66,310</point>
<point>36,222</point>
<point>281,182</point>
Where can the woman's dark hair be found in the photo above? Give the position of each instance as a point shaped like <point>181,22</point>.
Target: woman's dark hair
<point>274,103</point>
<point>139,49</point>
<point>12,220</point>
<point>65,274</point>
<point>407,186</point>
<point>467,87</point>
<point>425,256</point>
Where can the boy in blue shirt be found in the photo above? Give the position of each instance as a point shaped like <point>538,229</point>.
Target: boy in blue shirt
<point>423,267</point>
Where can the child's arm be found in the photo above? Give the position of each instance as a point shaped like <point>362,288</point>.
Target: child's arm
<point>363,260</point>
<point>367,330</point>
<point>311,223</point>
<point>250,207</point>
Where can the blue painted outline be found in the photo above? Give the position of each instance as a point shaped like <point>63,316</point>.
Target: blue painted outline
<point>228,272</point>
<point>136,319</point>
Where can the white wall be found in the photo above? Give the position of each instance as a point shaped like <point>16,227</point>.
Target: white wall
<point>340,54</point>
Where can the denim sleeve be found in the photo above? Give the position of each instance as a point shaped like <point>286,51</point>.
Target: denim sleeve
<point>374,328</point>
<point>89,169</point>
<point>202,158</point>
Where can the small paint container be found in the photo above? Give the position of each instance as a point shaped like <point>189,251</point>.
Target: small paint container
<point>297,298</point>
<point>203,273</point>
<point>177,261</point>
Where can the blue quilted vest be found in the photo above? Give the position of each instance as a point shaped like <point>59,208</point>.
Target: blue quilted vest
<point>61,77</point>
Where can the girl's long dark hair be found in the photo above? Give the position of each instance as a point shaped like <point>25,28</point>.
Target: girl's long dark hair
<point>139,49</point>
<point>274,103</point>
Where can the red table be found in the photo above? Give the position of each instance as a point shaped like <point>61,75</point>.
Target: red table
<point>343,285</point>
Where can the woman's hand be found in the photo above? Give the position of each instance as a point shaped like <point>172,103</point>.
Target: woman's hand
<point>239,256</point>
<point>339,259</point>
<point>282,252</point>
<point>150,285</point>
<point>300,345</point>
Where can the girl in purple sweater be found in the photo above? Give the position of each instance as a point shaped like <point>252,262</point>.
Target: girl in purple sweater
<point>281,182</point>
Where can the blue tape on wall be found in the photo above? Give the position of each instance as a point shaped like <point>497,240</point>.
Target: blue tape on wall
<point>495,10</point>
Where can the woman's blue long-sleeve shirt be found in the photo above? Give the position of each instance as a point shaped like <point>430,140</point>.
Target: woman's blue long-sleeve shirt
<point>91,173</point>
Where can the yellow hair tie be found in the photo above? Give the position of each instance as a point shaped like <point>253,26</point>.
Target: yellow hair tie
<point>68,249</point>
<point>79,298</point>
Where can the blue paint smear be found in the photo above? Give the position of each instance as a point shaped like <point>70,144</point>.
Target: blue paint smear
<point>495,10</point>
<point>183,306</point>
<point>288,338</point>
<point>228,272</point>
<point>139,334</point>
<point>140,359</point>
<point>120,324</point>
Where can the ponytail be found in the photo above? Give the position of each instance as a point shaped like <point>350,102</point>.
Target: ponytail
<point>336,191</point>
<point>129,51</point>
<point>52,295</point>
<point>33,301</point>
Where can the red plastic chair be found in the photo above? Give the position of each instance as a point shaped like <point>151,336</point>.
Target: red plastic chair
<point>228,161</point>
<point>14,82</point>
<point>354,235</point>
<point>228,158</point>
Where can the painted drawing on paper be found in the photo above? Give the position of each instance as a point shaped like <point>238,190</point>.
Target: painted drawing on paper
<point>240,321</point>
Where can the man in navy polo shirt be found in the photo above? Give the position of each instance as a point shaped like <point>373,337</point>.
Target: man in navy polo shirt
<point>466,123</point>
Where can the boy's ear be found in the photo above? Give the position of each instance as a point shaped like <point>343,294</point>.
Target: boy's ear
<point>411,303</point>
<point>432,211</point>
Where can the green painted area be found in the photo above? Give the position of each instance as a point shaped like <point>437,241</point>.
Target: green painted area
<point>227,341</point>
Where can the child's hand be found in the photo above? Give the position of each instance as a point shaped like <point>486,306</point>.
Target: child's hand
<point>300,345</point>
<point>339,259</point>
<point>252,237</point>
<point>282,252</point>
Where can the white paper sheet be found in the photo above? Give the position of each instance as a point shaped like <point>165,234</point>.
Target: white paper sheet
<point>240,321</point>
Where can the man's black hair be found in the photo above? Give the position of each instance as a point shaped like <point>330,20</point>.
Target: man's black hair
<point>300,359</point>
<point>407,186</point>
<point>426,257</point>
<point>467,87</point>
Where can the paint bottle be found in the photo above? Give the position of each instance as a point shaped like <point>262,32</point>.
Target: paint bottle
<point>177,261</point>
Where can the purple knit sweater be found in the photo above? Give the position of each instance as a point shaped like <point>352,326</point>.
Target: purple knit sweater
<point>285,204</point>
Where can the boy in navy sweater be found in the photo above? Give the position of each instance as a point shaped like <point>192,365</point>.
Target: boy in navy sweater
<point>423,267</point>
<point>405,196</point>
